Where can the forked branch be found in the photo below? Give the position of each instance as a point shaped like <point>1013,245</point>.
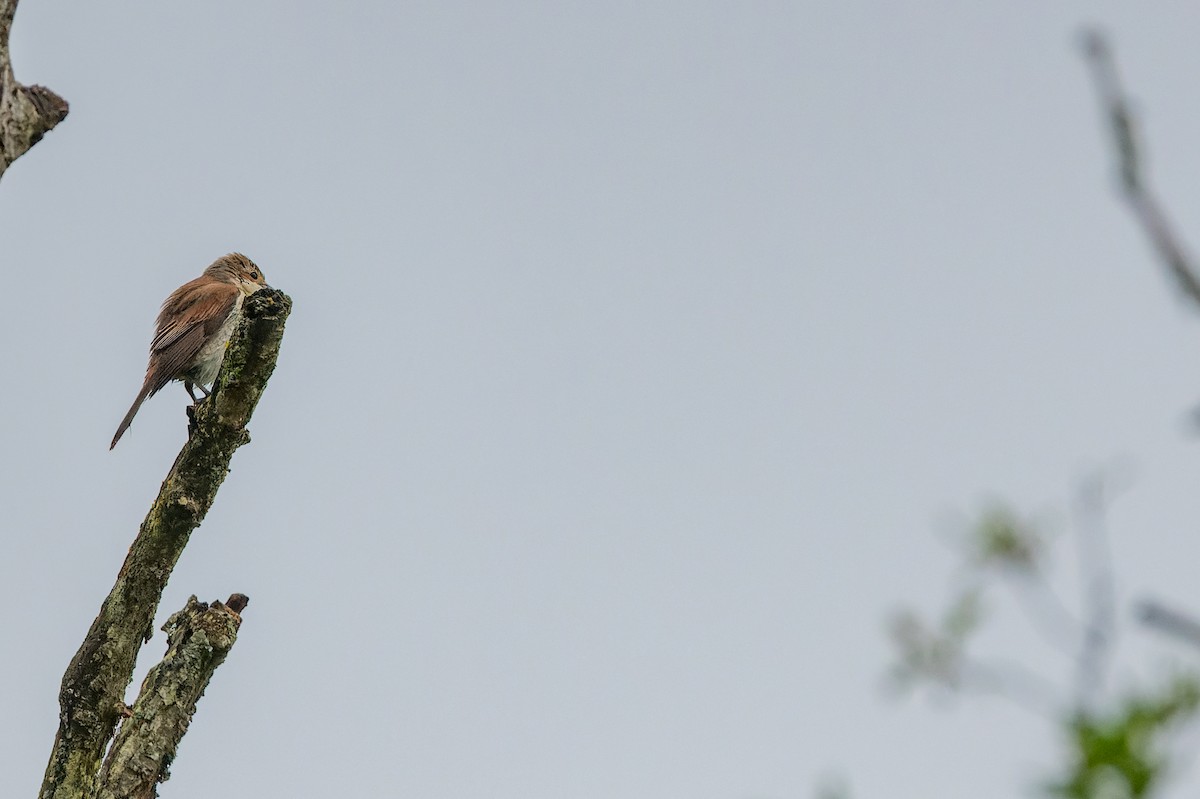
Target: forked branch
<point>198,639</point>
<point>93,688</point>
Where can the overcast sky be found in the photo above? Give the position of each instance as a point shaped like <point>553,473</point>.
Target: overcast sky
<point>639,352</point>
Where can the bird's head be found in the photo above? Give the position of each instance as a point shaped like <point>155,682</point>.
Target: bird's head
<point>241,271</point>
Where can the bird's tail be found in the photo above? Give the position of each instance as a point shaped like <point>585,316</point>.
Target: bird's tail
<point>137,403</point>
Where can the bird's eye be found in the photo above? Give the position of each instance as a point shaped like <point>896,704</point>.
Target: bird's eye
<point>254,275</point>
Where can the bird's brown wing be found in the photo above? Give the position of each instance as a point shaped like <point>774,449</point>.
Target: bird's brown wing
<point>195,311</point>
<point>189,316</point>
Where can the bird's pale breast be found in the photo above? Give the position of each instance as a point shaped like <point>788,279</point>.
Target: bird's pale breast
<point>208,361</point>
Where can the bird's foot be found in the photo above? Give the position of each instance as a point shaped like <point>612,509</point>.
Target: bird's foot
<point>204,392</point>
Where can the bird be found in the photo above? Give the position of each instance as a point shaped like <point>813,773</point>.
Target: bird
<point>193,329</point>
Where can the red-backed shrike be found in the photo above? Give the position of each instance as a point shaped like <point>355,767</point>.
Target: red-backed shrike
<point>194,327</point>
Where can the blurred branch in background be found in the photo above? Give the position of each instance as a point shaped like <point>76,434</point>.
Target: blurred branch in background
<point>1170,622</point>
<point>1116,746</point>
<point>1016,548</point>
<point>937,655</point>
<point>1099,589</point>
<point>1133,176</point>
<point>998,544</point>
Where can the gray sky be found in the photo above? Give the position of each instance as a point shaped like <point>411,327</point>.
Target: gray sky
<point>638,352</point>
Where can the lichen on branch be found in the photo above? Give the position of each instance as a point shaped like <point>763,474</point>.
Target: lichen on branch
<point>91,699</point>
<point>27,113</point>
<point>198,638</point>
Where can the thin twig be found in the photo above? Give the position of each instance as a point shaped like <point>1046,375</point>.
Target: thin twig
<point>1099,589</point>
<point>1011,681</point>
<point>1046,611</point>
<point>1174,623</point>
<point>1133,177</point>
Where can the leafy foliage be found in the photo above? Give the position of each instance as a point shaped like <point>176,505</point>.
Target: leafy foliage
<point>1122,754</point>
<point>1117,747</point>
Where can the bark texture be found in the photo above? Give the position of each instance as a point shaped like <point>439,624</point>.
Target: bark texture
<point>27,113</point>
<point>92,696</point>
<point>198,639</point>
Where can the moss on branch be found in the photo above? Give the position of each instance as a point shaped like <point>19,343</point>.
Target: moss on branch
<point>198,638</point>
<point>92,695</point>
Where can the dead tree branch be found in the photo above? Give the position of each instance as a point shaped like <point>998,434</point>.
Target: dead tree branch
<point>27,113</point>
<point>93,688</point>
<point>198,639</point>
